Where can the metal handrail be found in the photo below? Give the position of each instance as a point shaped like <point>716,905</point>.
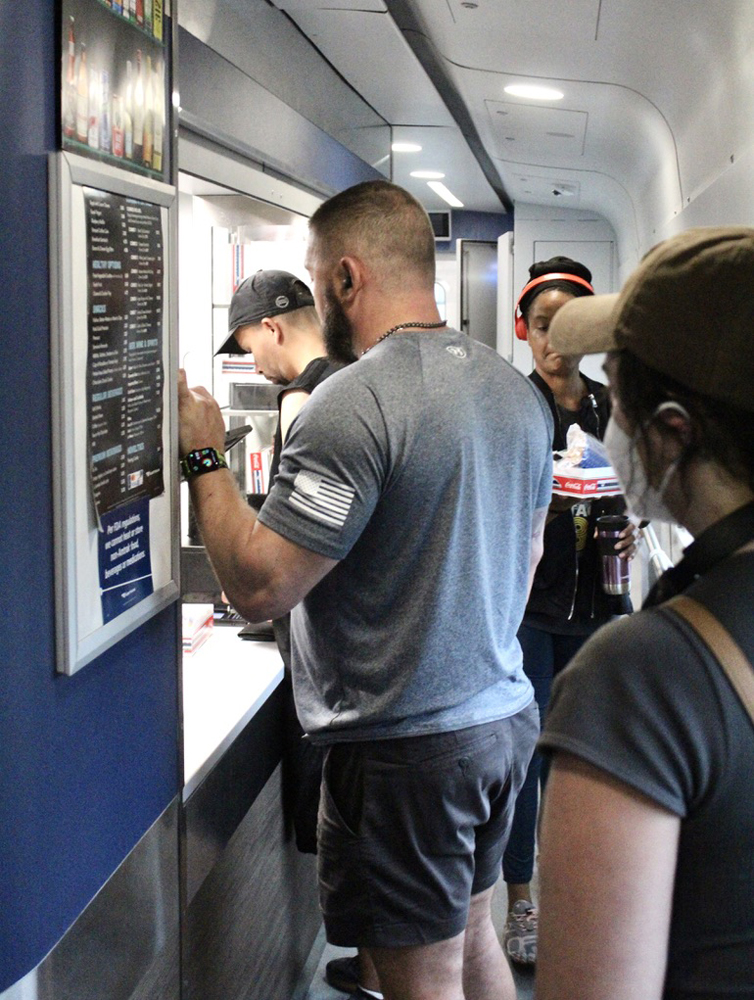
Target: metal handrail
<point>659,560</point>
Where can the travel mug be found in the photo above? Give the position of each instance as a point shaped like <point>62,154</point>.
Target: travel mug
<point>615,572</point>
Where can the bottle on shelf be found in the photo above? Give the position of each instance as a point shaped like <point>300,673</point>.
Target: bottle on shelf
<point>105,116</point>
<point>69,101</point>
<point>140,12</point>
<point>95,98</point>
<point>148,145</point>
<point>148,15</point>
<point>157,19</point>
<point>138,111</point>
<point>118,132</point>
<point>82,98</point>
<point>158,94</point>
<point>128,115</point>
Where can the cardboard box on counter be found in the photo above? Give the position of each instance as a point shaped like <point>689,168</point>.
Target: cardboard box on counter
<point>572,481</point>
<point>198,622</point>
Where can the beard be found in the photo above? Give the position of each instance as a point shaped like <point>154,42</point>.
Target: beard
<point>337,331</point>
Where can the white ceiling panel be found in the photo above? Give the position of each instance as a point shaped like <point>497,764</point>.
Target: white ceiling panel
<point>543,189</point>
<point>526,130</point>
<point>308,7</point>
<point>369,51</point>
<point>515,36</point>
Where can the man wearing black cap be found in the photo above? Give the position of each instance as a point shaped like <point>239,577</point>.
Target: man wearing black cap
<point>385,531</point>
<point>272,316</point>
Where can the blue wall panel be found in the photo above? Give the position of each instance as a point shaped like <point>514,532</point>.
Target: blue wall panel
<point>475,226</point>
<point>88,762</point>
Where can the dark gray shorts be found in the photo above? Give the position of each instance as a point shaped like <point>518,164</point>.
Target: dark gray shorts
<point>411,828</point>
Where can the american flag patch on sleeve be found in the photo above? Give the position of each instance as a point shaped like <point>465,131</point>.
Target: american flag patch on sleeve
<point>323,499</point>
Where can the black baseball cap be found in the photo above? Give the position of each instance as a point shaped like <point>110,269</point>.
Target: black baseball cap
<point>266,293</point>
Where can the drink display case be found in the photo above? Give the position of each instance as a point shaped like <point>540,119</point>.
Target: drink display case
<point>115,84</point>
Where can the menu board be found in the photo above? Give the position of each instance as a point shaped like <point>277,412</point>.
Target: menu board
<point>114,363</point>
<point>114,83</point>
<point>125,261</point>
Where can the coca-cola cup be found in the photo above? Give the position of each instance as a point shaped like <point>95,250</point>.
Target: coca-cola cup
<point>615,573</point>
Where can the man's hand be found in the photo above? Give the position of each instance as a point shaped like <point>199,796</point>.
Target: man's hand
<point>201,422</point>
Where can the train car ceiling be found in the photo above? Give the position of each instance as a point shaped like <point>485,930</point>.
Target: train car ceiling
<point>658,97</point>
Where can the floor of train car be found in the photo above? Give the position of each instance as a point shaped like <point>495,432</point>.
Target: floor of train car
<point>523,976</point>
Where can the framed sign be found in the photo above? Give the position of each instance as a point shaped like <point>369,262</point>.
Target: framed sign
<point>114,84</point>
<point>114,404</point>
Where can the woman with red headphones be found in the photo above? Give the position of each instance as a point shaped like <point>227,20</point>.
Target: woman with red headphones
<point>567,603</point>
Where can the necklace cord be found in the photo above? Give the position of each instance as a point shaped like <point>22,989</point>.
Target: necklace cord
<point>404,326</point>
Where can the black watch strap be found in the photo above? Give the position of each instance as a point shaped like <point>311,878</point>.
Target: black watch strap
<point>202,460</point>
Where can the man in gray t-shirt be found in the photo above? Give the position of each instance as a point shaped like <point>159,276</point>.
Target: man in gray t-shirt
<point>385,471</point>
<point>404,525</point>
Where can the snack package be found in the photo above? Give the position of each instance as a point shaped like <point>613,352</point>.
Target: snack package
<point>583,469</point>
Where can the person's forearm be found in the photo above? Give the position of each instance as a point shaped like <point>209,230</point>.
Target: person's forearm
<point>537,545</point>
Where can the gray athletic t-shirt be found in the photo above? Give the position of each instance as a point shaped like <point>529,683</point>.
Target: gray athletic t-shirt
<point>644,701</point>
<point>419,468</point>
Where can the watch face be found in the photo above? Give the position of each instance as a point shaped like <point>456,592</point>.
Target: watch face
<point>203,460</point>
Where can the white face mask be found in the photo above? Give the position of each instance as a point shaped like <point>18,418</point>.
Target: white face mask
<point>644,501</point>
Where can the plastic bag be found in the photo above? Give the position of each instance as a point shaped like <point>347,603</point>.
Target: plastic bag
<point>583,451</point>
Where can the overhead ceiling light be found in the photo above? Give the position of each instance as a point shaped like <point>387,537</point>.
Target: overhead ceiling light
<point>406,147</point>
<point>427,175</point>
<point>534,92</point>
<point>446,195</point>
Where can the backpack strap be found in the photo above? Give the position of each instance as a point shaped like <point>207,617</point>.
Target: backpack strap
<point>721,644</point>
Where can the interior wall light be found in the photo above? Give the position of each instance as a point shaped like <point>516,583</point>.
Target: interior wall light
<point>406,147</point>
<point>446,195</point>
<point>427,175</point>
<point>534,91</point>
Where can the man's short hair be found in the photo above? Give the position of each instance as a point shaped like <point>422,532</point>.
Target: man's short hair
<point>380,223</point>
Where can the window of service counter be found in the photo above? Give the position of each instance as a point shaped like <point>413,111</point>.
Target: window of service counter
<point>224,235</point>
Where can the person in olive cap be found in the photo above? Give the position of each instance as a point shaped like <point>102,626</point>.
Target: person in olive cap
<point>647,883</point>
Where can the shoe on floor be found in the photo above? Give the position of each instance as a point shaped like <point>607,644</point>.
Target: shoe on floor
<point>520,933</point>
<point>343,974</point>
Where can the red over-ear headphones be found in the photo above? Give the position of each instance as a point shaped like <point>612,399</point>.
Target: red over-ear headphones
<point>519,323</point>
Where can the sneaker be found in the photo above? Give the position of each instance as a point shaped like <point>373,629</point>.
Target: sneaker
<point>343,973</point>
<point>520,933</point>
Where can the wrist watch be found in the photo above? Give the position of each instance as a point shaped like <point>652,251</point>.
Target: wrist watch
<point>202,460</point>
